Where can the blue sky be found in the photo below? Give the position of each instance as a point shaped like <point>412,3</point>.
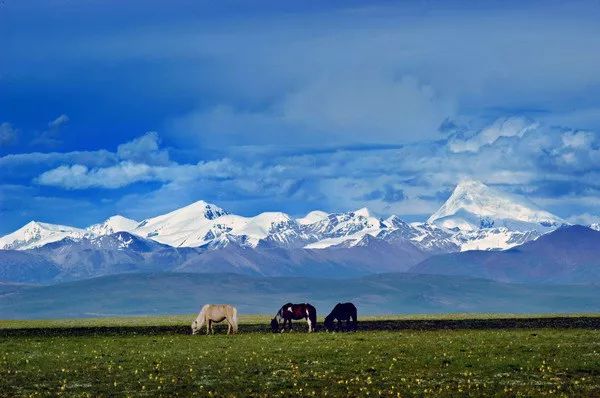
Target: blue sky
<point>143,107</point>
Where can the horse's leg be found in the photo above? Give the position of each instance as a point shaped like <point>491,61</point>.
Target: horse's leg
<point>200,324</point>
<point>310,329</point>
<point>228,326</point>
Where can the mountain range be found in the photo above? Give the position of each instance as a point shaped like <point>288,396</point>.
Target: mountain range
<point>202,237</point>
<point>474,217</point>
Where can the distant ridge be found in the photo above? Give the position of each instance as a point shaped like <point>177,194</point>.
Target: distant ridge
<point>169,293</point>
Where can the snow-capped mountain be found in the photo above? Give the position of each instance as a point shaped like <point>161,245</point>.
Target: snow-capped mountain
<point>269,228</point>
<point>428,237</point>
<point>36,234</point>
<point>202,237</point>
<point>475,217</point>
<point>338,228</point>
<point>473,206</point>
<point>111,225</point>
<point>187,226</point>
<point>595,226</point>
<point>204,224</point>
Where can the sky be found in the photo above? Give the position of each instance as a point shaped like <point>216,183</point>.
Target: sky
<point>141,107</point>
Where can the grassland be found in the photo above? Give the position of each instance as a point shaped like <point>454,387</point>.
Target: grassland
<point>109,360</point>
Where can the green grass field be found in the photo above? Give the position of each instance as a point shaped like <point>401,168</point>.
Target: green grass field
<point>531,361</point>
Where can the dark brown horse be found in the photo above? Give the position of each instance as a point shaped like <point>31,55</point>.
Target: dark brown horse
<point>289,312</point>
<point>341,312</point>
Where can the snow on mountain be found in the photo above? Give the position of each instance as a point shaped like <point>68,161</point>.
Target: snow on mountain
<point>111,225</point>
<point>595,226</point>
<point>187,226</point>
<point>475,217</point>
<point>206,225</point>
<point>474,205</point>
<point>312,217</point>
<point>338,228</point>
<point>428,237</point>
<point>36,234</point>
<point>494,238</point>
<point>270,227</point>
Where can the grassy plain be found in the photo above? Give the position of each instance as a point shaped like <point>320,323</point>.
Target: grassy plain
<point>124,357</point>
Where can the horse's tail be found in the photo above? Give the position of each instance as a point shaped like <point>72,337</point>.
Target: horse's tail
<point>234,320</point>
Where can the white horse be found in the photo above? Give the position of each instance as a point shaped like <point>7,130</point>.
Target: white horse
<point>216,313</point>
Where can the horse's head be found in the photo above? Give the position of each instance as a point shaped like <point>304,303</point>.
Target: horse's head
<point>328,323</point>
<point>195,327</point>
<point>274,325</point>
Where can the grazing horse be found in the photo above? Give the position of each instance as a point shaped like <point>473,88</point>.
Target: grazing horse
<point>291,311</point>
<point>341,312</point>
<point>216,313</point>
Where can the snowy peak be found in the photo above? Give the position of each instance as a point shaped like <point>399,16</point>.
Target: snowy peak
<point>112,225</point>
<point>340,227</point>
<point>35,234</point>
<point>175,227</point>
<point>257,227</point>
<point>474,205</point>
<point>312,217</point>
<point>363,212</point>
<point>199,209</point>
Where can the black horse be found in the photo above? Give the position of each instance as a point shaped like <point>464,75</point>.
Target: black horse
<point>342,312</point>
<point>291,311</point>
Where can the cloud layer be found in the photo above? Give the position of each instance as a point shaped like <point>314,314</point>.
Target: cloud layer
<point>558,168</point>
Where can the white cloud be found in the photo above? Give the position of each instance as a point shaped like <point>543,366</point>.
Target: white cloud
<point>144,149</point>
<point>29,165</point>
<point>58,122</point>
<point>125,173</point>
<point>506,127</point>
<point>79,176</point>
